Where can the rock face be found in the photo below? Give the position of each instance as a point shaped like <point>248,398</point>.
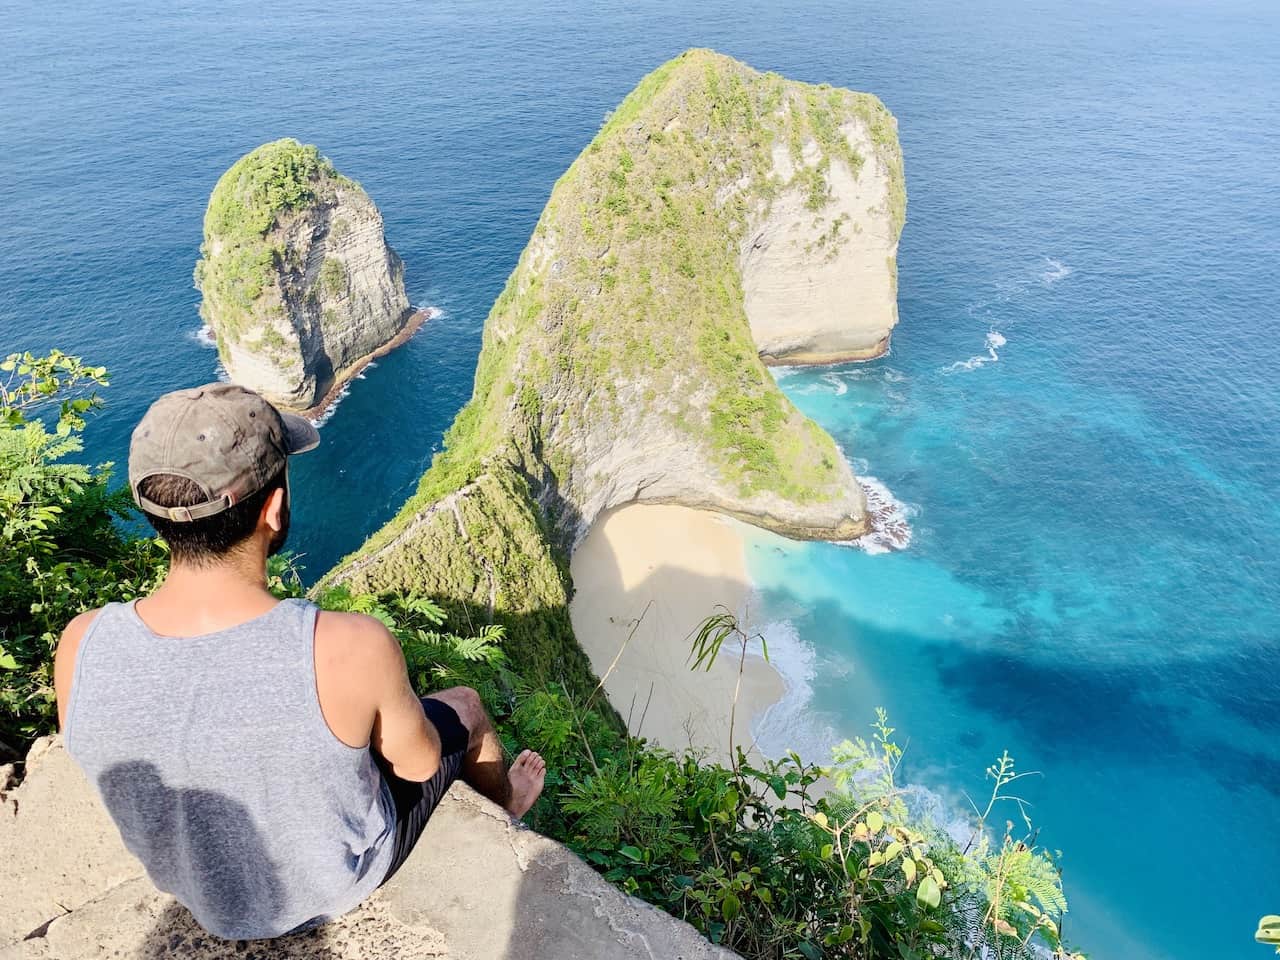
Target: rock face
<point>820,286</point>
<point>477,887</point>
<point>622,362</point>
<point>299,285</point>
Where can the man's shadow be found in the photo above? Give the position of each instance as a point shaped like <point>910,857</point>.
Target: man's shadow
<point>238,884</point>
<point>176,934</point>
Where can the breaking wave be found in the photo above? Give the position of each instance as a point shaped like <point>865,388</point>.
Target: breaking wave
<point>793,724</point>
<point>204,336</point>
<point>343,392</point>
<point>994,341</point>
<point>841,387</point>
<point>890,519</point>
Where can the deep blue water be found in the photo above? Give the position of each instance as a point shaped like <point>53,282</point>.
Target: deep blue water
<point>1092,581</point>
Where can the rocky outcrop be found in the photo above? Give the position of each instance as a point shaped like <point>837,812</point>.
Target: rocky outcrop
<point>477,887</point>
<point>299,286</point>
<point>820,286</point>
<point>623,360</point>
<point>621,364</point>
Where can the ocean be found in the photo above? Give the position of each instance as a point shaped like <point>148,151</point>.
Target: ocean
<point>1079,418</point>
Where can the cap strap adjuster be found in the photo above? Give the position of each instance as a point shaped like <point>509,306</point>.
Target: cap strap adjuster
<point>186,514</point>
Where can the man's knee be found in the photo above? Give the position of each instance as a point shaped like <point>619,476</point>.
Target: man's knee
<point>467,704</point>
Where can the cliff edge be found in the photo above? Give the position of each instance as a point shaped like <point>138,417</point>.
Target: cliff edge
<point>478,886</point>
<point>299,286</point>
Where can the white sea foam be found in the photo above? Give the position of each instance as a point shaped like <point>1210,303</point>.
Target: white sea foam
<point>204,336</point>
<point>332,408</point>
<point>1056,271</point>
<point>432,313</point>
<point>993,342</point>
<point>791,723</point>
<point>836,381</point>
<point>890,519</point>
<point>948,813</point>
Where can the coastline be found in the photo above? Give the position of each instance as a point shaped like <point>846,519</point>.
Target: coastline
<point>334,393</point>
<point>800,358</point>
<point>669,567</point>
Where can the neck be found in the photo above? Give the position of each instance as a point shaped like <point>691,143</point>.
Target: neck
<point>241,572</point>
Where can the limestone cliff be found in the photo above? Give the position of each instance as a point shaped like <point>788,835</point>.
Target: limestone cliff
<point>619,362</point>
<point>299,285</point>
<point>509,894</point>
<point>819,269</point>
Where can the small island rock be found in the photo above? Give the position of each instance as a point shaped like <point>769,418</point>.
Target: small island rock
<point>299,286</point>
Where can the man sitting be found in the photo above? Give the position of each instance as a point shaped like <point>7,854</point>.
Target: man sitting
<point>268,762</point>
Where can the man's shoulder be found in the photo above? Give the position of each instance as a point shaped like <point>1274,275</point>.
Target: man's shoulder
<point>353,639</point>
<point>74,631</point>
<point>64,658</point>
<point>355,658</point>
<point>349,625</point>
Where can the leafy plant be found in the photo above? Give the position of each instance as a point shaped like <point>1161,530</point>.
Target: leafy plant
<point>60,551</point>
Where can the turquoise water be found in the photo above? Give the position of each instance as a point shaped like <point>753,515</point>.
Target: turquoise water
<point>1092,579</point>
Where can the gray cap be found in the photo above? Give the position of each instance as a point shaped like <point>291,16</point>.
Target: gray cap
<point>228,440</point>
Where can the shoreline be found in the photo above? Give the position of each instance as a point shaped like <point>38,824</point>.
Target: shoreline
<point>801,358</point>
<point>653,572</point>
<point>334,393</point>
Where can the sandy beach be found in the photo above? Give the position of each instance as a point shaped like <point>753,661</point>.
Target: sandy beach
<point>669,567</point>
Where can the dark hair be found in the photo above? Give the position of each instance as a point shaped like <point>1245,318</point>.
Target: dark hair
<point>211,538</point>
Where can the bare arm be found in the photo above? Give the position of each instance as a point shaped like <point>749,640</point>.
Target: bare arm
<point>365,694</point>
<point>64,661</point>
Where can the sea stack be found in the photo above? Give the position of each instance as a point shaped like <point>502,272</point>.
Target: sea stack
<point>299,286</point>
<point>626,358</point>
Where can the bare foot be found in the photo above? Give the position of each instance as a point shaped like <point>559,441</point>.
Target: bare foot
<point>525,776</point>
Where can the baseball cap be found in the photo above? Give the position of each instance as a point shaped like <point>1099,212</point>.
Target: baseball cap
<point>223,437</point>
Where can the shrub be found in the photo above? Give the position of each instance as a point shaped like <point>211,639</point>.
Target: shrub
<point>60,552</point>
<point>754,854</point>
<point>333,277</point>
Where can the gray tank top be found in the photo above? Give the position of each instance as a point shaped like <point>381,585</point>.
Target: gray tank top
<point>213,758</point>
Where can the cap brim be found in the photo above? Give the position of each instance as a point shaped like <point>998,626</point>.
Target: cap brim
<point>299,433</point>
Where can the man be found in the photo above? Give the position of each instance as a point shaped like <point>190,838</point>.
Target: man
<point>269,763</point>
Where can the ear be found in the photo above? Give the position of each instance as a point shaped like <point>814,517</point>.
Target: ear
<point>273,510</point>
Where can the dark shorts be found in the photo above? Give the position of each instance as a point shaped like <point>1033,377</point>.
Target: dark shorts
<point>415,802</point>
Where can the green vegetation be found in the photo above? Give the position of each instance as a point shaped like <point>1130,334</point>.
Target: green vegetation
<point>239,257</point>
<point>752,854</point>
<point>333,277</point>
<point>625,313</point>
<point>60,551</point>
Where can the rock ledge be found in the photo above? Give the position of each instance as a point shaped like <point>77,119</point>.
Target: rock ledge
<point>478,886</point>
